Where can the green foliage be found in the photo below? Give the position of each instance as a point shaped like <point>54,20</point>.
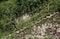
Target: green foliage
<point>57,4</point>
<point>9,37</point>
<point>11,9</point>
<point>2,0</point>
<point>49,38</point>
<point>29,6</point>
<point>7,15</point>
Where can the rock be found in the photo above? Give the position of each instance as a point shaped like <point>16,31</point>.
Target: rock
<point>17,31</point>
<point>9,34</point>
<point>26,17</point>
<point>58,30</point>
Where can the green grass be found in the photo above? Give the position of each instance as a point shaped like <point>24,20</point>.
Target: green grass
<point>49,38</point>
<point>34,18</point>
<point>9,37</point>
<point>29,23</point>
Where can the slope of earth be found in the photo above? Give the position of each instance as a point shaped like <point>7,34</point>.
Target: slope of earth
<point>49,27</point>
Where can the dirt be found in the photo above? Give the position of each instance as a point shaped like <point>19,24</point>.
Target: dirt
<point>49,26</point>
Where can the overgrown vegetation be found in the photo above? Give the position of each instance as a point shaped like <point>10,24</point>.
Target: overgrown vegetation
<point>11,9</point>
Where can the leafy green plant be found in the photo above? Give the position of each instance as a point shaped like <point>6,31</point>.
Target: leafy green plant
<point>11,9</point>
<point>9,37</point>
<point>49,38</point>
